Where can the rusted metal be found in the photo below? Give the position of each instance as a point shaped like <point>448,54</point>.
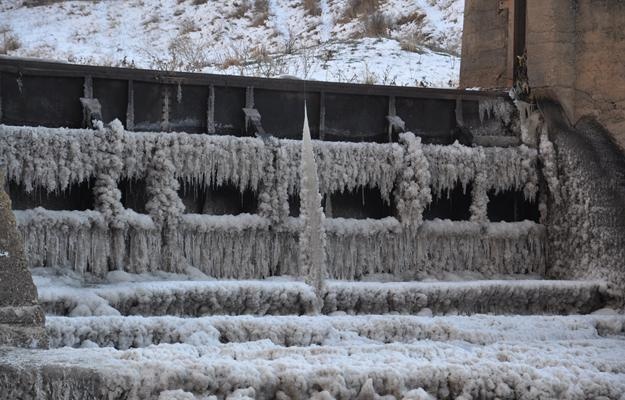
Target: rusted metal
<point>47,94</point>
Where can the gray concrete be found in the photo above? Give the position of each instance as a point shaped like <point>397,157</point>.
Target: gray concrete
<point>21,318</point>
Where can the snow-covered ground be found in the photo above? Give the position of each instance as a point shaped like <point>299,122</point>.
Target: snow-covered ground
<point>413,42</point>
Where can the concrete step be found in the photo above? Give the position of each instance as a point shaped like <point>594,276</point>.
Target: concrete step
<point>136,332</point>
<point>288,297</point>
<point>563,369</point>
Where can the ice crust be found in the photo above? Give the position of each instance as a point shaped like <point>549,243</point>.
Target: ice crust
<point>288,297</point>
<point>263,245</point>
<point>135,331</point>
<point>459,370</point>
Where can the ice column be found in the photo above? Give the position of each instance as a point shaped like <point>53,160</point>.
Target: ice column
<point>312,256</point>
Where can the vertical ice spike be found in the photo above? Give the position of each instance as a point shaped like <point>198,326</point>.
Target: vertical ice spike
<point>312,257</point>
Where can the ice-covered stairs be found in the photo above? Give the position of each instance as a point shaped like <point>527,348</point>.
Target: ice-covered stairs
<point>172,340</point>
<point>288,297</point>
<point>324,357</point>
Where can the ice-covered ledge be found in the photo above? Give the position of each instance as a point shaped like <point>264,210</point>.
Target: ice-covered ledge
<point>21,317</point>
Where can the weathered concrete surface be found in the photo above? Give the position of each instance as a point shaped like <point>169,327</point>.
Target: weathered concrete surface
<point>575,55</point>
<point>21,318</point>
<point>485,45</point>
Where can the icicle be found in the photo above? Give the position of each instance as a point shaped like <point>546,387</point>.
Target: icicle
<point>312,238</point>
<point>413,186</point>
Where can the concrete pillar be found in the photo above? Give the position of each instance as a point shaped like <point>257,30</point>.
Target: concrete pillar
<point>485,44</point>
<point>21,318</point>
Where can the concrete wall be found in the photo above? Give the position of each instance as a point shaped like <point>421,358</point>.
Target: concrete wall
<point>485,45</point>
<point>576,54</point>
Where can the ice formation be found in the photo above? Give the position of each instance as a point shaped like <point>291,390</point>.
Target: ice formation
<point>535,369</point>
<point>312,237</point>
<point>406,174</point>
<point>290,297</point>
<point>413,184</point>
<point>134,332</point>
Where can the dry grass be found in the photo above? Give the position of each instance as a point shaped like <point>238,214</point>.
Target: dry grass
<point>187,25</point>
<point>376,25</point>
<point>415,41</point>
<point>312,7</point>
<point>261,12</point>
<point>357,8</point>
<point>240,9</point>
<point>417,17</point>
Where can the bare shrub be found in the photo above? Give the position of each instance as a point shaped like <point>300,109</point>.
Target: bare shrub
<point>10,41</point>
<point>235,57</point>
<point>259,53</point>
<point>416,40</point>
<point>187,25</point>
<point>376,25</point>
<point>199,2</point>
<point>369,77</point>
<point>270,67</point>
<point>312,7</point>
<point>291,41</point>
<point>183,54</point>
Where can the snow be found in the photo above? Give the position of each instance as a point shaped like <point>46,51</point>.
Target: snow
<point>212,36</point>
<point>288,297</point>
<point>566,369</point>
<point>135,331</point>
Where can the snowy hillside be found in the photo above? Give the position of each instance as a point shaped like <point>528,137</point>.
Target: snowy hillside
<point>397,42</point>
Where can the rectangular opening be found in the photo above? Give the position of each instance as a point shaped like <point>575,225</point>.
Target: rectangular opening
<point>360,203</point>
<point>148,106</point>
<point>352,118</point>
<point>454,205</point>
<point>431,119</point>
<point>77,197</point>
<point>113,96</point>
<point>220,200</point>
<point>41,100</point>
<point>229,117</point>
<point>287,103</point>
<point>134,194</point>
<point>511,206</point>
<point>188,108</point>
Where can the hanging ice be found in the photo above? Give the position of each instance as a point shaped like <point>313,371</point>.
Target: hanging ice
<point>312,256</point>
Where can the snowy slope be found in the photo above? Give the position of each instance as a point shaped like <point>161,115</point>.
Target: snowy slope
<point>262,38</point>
